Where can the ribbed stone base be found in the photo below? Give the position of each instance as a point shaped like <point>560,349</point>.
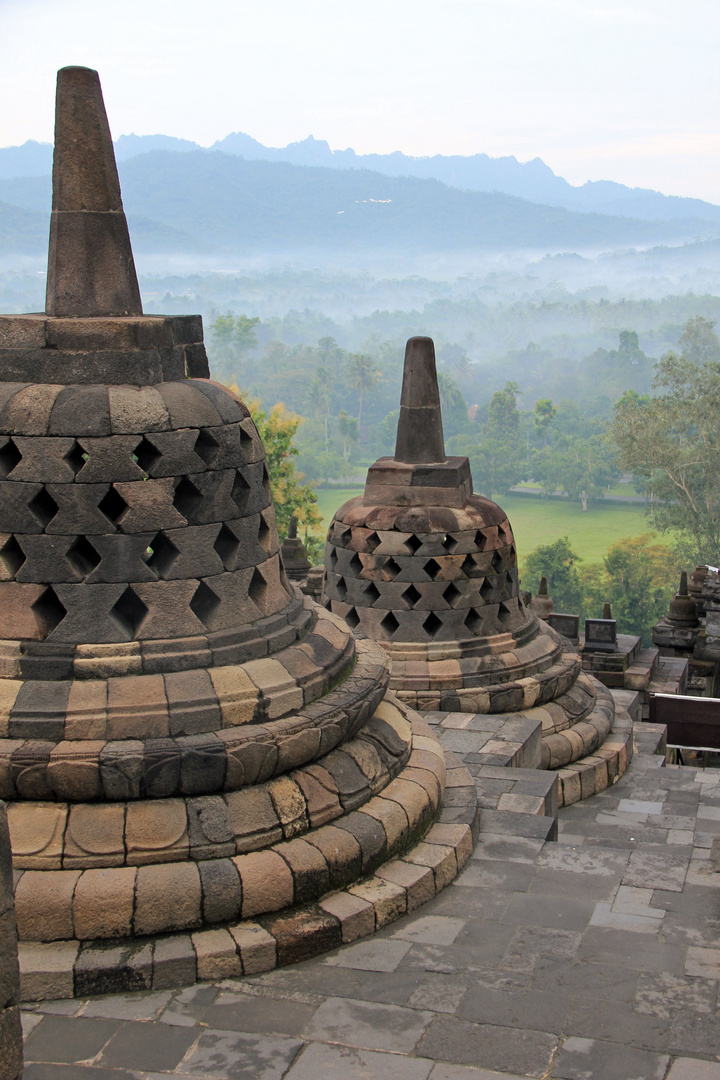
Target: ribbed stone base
<point>599,770</point>
<point>64,969</point>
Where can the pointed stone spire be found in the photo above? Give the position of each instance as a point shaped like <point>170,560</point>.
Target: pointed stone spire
<point>420,430</point>
<point>91,271</point>
<point>607,613</point>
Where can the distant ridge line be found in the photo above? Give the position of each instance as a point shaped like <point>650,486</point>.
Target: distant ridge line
<point>533,180</point>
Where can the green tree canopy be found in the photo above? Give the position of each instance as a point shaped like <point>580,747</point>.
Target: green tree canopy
<point>671,442</point>
<point>559,564</point>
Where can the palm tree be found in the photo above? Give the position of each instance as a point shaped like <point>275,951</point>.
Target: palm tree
<point>314,397</point>
<point>325,381</point>
<point>450,393</point>
<point>363,375</point>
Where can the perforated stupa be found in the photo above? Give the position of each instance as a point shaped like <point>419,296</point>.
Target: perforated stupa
<point>204,771</point>
<point>428,569</point>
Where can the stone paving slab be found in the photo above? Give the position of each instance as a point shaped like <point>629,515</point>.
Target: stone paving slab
<point>595,958</point>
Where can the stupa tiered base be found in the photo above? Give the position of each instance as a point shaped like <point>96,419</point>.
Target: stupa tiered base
<point>328,853</point>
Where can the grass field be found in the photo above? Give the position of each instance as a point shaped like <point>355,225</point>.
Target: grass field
<point>537,521</point>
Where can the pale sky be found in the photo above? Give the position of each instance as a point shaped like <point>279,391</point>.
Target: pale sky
<point>599,89</point>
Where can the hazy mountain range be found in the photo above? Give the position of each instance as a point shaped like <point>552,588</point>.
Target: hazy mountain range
<point>240,196</point>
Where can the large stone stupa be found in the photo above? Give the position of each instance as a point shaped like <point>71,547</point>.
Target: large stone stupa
<point>426,568</point>
<point>204,771</point>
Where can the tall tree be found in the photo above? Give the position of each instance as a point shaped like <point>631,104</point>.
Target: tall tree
<point>363,375</point>
<point>545,412</point>
<point>671,442</point>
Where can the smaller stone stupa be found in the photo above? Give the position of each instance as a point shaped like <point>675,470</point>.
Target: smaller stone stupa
<point>428,569</point>
<point>294,554</point>
<point>683,633</point>
<point>542,604</point>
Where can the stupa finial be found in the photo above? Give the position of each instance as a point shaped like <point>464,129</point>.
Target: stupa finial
<point>420,431</point>
<point>90,262</point>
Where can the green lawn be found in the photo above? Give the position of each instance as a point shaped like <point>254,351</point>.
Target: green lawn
<point>331,499</point>
<point>537,521</point>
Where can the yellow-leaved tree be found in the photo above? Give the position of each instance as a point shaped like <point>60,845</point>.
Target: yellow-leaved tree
<point>277,430</point>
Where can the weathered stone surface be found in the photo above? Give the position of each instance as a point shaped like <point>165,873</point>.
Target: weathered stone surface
<point>90,269</point>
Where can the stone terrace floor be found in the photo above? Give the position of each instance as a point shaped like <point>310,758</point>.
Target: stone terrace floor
<point>593,958</point>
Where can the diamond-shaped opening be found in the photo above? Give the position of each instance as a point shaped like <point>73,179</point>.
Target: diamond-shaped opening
<point>372,593</point>
<point>226,545</point>
<point>470,567</point>
<point>204,604</point>
<point>186,498</point>
<point>43,507</point>
<point>486,590</point>
<point>473,621</point>
<point>76,457</point>
<point>413,543</point>
<point>392,568</point>
<point>480,540</point>
<point>355,564</point>
<point>283,576</point>
<point>206,447</point>
<point>389,624</point>
<point>497,562</point>
<point>163,554</point>
<point>257,590</point>
<point>12,556</point>
<point>82,556</point>
<point>113,506</point>
<point>432,625</point>
<point>264,535</point>
<point>412,595</point>
<point>451,594</point>
<point>49,612</point>
<point>512,556</point>
<point>372,541</point>
<point>145,454</point>
<point>9,457</point>
<point>240,493</point>
<point>504,614</point>
<point>449,543</point>
<point>333,558</point>
<point>344,537</point>
<point>245,441</point>
<point>352,618</point>
<point>432,568</point>
<point>341,588</point>
<point>520,603</point>
<point>502,534</point>
<point>266,480</point>
<point>129,612</point>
